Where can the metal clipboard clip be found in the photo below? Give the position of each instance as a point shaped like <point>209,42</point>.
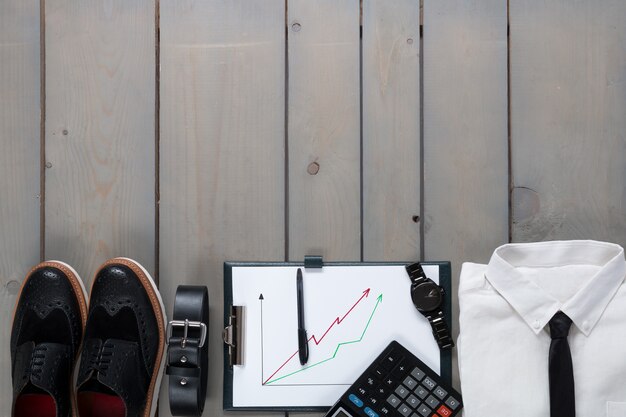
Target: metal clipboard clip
<point>233,335</point>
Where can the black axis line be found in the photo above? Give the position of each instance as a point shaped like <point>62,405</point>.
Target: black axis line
<point>261,298</point>
<point>262,372</point>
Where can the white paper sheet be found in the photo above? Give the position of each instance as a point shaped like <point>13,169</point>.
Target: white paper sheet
<point>351,315</point>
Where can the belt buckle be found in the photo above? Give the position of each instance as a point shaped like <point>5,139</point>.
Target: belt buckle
<point>186,324</point>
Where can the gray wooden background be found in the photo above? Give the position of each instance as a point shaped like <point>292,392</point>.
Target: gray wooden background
<point>184,133</point>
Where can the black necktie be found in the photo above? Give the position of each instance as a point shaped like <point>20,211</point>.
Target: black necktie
<point>562,401</point>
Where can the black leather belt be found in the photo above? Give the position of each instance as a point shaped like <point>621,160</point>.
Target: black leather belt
<point>187,354</point>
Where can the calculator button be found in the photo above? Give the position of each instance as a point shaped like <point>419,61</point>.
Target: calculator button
<point>381,391</point>
<point>413,401</point>
<point>385,411</point>
<point>405,410</point>
<point>423,410</point>
<point>432,401</point>
<point>391,360</point>
<point>393,400</point>
<point>444,411</point>
<point>373,400</point>
<point>379,372</point>
<point>362,391</point>
<point>396,355</point>
<point>387,365</point>
<point>355,400</point>
<point>429,383</point>
<point>440,392</point>
<point>421,392</point>
<point>410,382</point>
<point>371,382</point>
<point>418,374</point>
<point>369,412</point>
<point>452,403</point>
<point>400,371</point>
<point>389,382</point>
<point>402,391</point>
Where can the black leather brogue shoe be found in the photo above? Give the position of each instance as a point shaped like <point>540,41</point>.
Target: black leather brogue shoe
<point>48,322</point>
<point>122,357</point>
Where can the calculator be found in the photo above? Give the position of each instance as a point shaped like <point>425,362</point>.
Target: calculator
<point>398,384</point>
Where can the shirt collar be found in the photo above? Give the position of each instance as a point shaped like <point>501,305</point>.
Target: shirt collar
<point>533,303</point>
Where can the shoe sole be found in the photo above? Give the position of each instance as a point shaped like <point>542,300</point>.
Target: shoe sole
<point>159,311</point>
<point>81,296</point>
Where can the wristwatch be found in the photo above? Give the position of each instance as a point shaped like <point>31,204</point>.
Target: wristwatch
<point>428,298</point>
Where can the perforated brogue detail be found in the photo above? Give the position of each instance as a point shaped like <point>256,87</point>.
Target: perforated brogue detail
<point>47,289</point>
<point>115,363</point>
<point>46,333</point>
<point>116,289</point>
<point>124,338</point>
<point>45,365</point>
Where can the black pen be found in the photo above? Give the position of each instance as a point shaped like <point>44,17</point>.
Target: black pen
<point>303,343</point>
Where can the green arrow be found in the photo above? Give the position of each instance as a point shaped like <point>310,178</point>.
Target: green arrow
<point>379,300</point>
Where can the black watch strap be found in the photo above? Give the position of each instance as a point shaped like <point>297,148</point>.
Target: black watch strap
<point>416,273</point>
<point>440,329</point>
<point>437,321</point>
<point>188,351</point>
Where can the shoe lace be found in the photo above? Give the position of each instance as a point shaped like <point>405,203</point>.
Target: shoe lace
<point>37,361</point>
<point>99,360</point>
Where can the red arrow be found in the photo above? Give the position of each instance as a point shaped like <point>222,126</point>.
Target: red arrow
<point>339,320</point>
<point>317,342</point>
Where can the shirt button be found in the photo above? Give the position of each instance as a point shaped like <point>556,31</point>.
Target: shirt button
<point>536,324</point>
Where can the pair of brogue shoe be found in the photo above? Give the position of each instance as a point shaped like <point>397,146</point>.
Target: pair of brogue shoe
<point>96,358</point>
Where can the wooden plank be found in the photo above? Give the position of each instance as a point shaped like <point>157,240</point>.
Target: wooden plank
<point>391,130</point>
<point>222,150</point>
<point>323,129</point>
<point>324,196</point>
<point>100,146</point>
<point>20,117</point>
<point>568,120</point>
<point>465,133</point>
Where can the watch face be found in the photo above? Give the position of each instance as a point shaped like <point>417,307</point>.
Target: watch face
<point>426,296</point>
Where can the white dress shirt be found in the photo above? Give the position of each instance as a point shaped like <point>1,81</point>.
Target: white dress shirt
<point>505,307</point>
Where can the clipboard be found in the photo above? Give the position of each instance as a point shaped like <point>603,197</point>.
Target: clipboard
<point>353,310</point>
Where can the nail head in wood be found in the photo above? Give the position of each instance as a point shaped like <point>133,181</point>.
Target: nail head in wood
<point>313,168</point>
<point>13,287</point>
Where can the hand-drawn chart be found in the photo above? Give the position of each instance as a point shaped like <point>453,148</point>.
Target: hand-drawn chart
<point>351,314</point>
<point>277,375</point>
